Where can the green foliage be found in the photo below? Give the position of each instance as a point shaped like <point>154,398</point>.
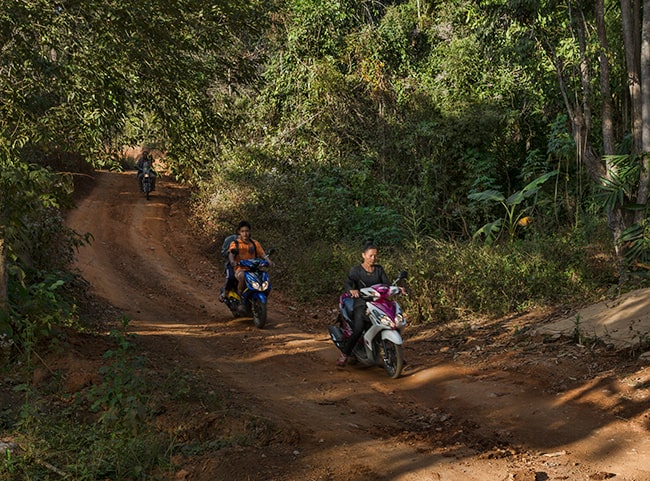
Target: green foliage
<point>515,213</point>
<point>36,306</point>
<point>378,223</point>
<point>560,144</point>
<point>84,453</point>
<point>119,444</point>
<point>318,27</point>
<point>482,166</point>
<point>322,268</point>
<point>38,249</point>
<point>457,281</point>
<point>120,398</point>
<point>335,121</point>
<point>386,137</point>
<point>108,430</point>
<point>91,77</point>
<point>618,189</point>
<point>636,238</point>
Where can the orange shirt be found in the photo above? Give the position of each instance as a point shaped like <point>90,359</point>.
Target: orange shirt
<point>246,251</point>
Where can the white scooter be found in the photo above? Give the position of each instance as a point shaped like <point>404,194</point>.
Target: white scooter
<point>381,341</point>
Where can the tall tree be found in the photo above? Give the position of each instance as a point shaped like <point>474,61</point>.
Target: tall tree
<point>644,69</point>
<point>615,214</point>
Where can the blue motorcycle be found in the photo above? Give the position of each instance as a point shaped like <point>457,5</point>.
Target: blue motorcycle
<point>253,301</point>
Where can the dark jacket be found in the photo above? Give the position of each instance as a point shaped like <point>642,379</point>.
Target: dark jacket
<point>358,277</point>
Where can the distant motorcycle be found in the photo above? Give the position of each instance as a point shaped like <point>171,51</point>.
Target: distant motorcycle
<point>253,301</point>
<point>381,341</point>
<point>147,182</point>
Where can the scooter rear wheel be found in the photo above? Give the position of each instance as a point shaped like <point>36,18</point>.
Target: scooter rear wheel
<point>259,313</point>
<point>393,358</point>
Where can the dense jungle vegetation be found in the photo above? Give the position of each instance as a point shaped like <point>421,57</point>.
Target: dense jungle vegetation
<point>492,148</point>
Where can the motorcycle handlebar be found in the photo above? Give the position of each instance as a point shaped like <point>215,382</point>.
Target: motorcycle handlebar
<point>372,298</point>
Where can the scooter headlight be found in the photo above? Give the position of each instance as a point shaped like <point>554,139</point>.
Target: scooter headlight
<point>260,286</point>
<point>386,321</point>
<point>399,320</point>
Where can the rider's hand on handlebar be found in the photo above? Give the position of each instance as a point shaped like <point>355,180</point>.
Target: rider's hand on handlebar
<point>267,259</point>
<point>354,293</point>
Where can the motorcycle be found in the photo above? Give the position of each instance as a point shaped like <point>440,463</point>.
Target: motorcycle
<point>381,341</point>
<point>253,301</point>
<point>147,182</point>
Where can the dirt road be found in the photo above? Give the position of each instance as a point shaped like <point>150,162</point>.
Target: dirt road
<point>488,405</point>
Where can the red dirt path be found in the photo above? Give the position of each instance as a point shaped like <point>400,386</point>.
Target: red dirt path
<point>476,403</point>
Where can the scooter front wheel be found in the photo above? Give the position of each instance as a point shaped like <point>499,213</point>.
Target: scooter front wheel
<point>393,358</point>
<point>258,309</point>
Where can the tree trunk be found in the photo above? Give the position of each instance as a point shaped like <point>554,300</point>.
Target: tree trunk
<point>642,196</point>
<point>645,88</point>
<point>615,216</point>
<point>605,90</point>
<point>581,118</point>
<point>630,15</point>
<point>3,275</point>
<point>629,21</point>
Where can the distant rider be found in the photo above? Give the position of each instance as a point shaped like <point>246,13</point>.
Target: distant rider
<point>145,162</point>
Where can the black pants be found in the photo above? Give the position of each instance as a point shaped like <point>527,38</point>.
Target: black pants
<point>357,326</point>
<point>231,282</point>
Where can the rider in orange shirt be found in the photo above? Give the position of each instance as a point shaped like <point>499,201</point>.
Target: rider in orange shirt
<point>244,247</point>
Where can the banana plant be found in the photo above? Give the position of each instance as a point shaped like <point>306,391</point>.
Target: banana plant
<point>516,212</point>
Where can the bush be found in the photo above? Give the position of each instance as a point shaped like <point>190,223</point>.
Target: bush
<point>453,280</point>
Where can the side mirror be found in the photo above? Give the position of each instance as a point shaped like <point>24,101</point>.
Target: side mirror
<point>271,251</point>
<point>403,275</point>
